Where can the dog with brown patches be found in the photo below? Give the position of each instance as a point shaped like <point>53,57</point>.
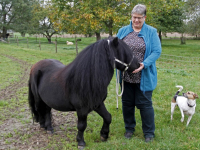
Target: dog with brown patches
<point>186,103</point>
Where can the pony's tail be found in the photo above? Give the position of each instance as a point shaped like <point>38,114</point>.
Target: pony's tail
<point>31,100</point>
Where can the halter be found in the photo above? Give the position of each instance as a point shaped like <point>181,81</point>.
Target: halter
<point>119,61</point>
<point>126,65</point>
<point>117,75</point>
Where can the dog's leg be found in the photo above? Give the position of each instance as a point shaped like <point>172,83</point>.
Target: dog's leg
<point>182,115</point>
<point>188,121</point>
<point>173,105</point>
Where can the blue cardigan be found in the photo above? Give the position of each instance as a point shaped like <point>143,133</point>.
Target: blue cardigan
<point>152,53</point>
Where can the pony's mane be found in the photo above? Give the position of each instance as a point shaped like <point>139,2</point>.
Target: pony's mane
<point>91,72</point>
<point>88,76</point>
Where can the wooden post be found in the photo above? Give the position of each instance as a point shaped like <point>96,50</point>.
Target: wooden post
<point>17,41</point>
<point>27,42</point>
<point>76,46</point>
<point>36,38</point>
<point>8,40</point>
<point>39,44</point>
<point>56,43</point>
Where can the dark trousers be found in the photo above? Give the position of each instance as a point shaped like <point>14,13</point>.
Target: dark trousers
<point>133,96</point>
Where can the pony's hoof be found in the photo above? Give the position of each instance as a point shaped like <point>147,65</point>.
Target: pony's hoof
<point>81,147</point>
<point>103,139</point>
<point>50,132</point>
<point>42,129</point>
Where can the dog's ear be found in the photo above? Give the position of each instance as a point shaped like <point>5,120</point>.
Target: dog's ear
<point>196,96</point>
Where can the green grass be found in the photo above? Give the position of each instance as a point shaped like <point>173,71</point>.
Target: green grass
<point>178,65</point>
<point>8,76</point>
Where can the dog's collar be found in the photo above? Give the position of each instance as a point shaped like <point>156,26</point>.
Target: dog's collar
<point>191,105</point>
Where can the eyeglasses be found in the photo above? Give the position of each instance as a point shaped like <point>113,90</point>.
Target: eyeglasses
<point>139,18</point>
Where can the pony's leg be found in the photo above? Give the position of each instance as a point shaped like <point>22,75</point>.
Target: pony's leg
<point>42,122</point>
<point>48,123</point>
<point>40,105</point>
<point>82,124</point>
<point>102,111</point>
<point>44,116</point>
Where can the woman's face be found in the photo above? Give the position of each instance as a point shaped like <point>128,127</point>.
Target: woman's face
<point>138,21</point>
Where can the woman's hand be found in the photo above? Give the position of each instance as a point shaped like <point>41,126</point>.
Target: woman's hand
<point>139,69</point>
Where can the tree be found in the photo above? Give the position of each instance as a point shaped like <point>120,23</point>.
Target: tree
<point>166,15</point>
<point>110,15</point>
<point>12,13</point>
<point>41,22</point>
<point>182,30</point>
<point>193,17</point>
<point>91,16</point>
<point>194,26</point>
<point>22,22</point>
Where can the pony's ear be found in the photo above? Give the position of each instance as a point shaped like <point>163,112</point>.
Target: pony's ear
<point>115,41</point>
<point>109,37</point>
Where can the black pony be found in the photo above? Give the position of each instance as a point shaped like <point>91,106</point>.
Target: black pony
<point>80,86</point>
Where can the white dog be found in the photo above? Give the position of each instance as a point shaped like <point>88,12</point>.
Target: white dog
<point>69,43</point>
<point>186,103</point>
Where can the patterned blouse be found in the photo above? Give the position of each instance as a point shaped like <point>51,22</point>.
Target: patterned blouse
<point>137,45</point>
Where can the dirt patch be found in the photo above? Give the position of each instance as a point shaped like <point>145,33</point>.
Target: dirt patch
<point>20,133</point>
<point>9,91</point>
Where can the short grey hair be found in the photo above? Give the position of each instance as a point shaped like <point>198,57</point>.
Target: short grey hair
<point>139,9</point>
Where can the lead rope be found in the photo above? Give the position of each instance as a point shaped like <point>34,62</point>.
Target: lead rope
<point>118,77</point>
<point>117,85</point>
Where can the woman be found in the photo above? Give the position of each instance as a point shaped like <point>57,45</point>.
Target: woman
<point>139,85</point>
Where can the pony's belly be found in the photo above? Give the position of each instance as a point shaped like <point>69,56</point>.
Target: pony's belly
<point>60,105</point>
<point>64,109</point>
<point>52,92</point>
<point>57,102</point>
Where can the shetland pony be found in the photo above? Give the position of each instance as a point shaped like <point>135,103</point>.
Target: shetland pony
<point>80,86</point>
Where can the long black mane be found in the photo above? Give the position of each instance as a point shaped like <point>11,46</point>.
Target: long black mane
<point>91,72</point>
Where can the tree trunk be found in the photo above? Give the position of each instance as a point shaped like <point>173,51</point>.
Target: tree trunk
<point>98,36</point>
<point>183,39</point>
<point>49,40</point>
<point>90,34</point>
<point>160,35</point>
<point>109,25</point>
<point>110,32</point>
<point>4,32</point>
<point>23,34</point>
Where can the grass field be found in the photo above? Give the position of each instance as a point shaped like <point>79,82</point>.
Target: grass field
<point>178,65</point>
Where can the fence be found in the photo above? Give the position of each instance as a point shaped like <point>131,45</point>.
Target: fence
<point>168,63</point>
<point>179,64</point>
<point>41,43</point>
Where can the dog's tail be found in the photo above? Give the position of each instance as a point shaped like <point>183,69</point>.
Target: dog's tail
<point>180,89</point>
